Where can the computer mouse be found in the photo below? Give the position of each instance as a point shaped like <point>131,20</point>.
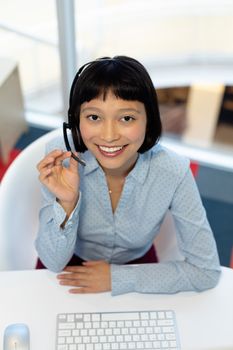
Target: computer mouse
<point>16,337</point>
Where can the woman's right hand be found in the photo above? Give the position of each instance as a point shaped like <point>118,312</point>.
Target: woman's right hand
<point>61,181</point>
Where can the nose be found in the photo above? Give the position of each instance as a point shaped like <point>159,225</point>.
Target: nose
<point>110,132</point>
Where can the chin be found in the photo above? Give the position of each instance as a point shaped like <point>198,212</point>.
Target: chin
<point>110,165</point>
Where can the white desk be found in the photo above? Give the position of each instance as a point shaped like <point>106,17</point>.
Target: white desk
<point>205,320</point>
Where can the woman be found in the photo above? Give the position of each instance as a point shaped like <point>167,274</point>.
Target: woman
<point>98,221</point>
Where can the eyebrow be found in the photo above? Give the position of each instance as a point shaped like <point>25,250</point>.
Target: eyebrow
<point>91,109</point>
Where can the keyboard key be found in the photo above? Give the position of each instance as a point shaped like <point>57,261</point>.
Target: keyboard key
<point>145,316</point>
<point>64,333</point>
<point>72,347</point>
<point>161,315</point>
<point>100,331</point>
<point>165,322</point>
<point>78,340</point>
<point>61,340</point>
<point>87,318</point>
<point>153,315</point>
<point>139,345</point>
<point>96,317</point>
<point>112,324</point>
<point>98,347</point>
<point>131,345</point>
<point>83,332</point>
<point>79,317</point>
<point>119,316</point>
<point>62,347</point>
<point>66,325</point>
<point>70,318</point>
<point>80,347</point>
<point>70,340</point>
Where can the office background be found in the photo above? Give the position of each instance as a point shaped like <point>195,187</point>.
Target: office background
<point>180,44</point>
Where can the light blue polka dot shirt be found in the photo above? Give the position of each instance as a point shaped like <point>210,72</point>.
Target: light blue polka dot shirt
<point>160,181</point>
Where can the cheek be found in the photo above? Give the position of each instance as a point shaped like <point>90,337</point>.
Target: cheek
<point>137,134</point>
<point>86,132</point>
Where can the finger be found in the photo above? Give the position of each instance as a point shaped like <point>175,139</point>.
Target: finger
<point>93,262</point>
<point>81,282</point>
<point>75,269</point>
<point>81,290</point>
<point>52,158</point>
<point>44,174</point>
<point>49,158</point>
<point>73,163</point>
<point>59,160</point>
<point>45,163</point>
<point>71,276</point>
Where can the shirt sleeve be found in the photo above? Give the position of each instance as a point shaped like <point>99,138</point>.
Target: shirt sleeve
<point>56,245</point>
<point>200,269</point>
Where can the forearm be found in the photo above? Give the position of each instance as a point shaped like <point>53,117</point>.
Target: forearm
<point>167,277</point>
<point>55,242</point>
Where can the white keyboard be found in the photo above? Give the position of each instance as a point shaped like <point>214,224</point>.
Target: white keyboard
<point>117,330</point>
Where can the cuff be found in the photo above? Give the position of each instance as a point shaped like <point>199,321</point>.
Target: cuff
<point>60,214</point>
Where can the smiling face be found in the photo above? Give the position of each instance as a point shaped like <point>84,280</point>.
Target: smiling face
<point>113,130</point>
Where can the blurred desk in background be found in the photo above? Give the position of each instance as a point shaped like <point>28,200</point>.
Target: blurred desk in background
<point>12,119</point>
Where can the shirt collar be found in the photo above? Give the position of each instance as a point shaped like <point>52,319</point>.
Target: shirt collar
<point>91,163</point>
<point>139,172</point>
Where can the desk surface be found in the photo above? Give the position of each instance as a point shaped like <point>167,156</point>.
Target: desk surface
<point>204,319</point>
<point>215,155</point>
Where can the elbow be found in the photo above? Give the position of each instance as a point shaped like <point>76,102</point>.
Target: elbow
<point>47,259</point>
<point>55,269</point>
<point>208,279</point>
<point>216,277</point>
<point>51,266</point>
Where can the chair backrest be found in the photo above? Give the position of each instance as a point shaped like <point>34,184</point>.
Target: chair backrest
<point>166,241</point>
<point>20,201</point>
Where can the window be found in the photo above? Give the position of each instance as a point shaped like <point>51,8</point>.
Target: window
<point>166,35</point>
<point>178,41</point>
<point>28,34</point>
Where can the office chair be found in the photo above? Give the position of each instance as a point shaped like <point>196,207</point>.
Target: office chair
<point>166,241</point>
<point>20,201</point>
<point>19,207</point>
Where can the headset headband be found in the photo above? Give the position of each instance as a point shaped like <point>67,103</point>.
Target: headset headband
<point>81,69</point>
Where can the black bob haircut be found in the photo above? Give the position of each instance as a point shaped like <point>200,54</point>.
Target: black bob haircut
<point>127,79</point>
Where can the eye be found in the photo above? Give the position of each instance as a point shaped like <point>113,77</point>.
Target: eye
<point>127,119</point>
<point>93,117</point>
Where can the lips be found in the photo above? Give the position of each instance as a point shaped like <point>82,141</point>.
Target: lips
<point>111,151</point>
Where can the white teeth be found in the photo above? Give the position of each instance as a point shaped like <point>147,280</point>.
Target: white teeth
<point>110,149</point>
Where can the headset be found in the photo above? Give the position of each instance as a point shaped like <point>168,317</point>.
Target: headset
<point>68,125</point>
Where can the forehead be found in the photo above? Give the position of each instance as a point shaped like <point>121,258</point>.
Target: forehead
<point>110,100</point>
